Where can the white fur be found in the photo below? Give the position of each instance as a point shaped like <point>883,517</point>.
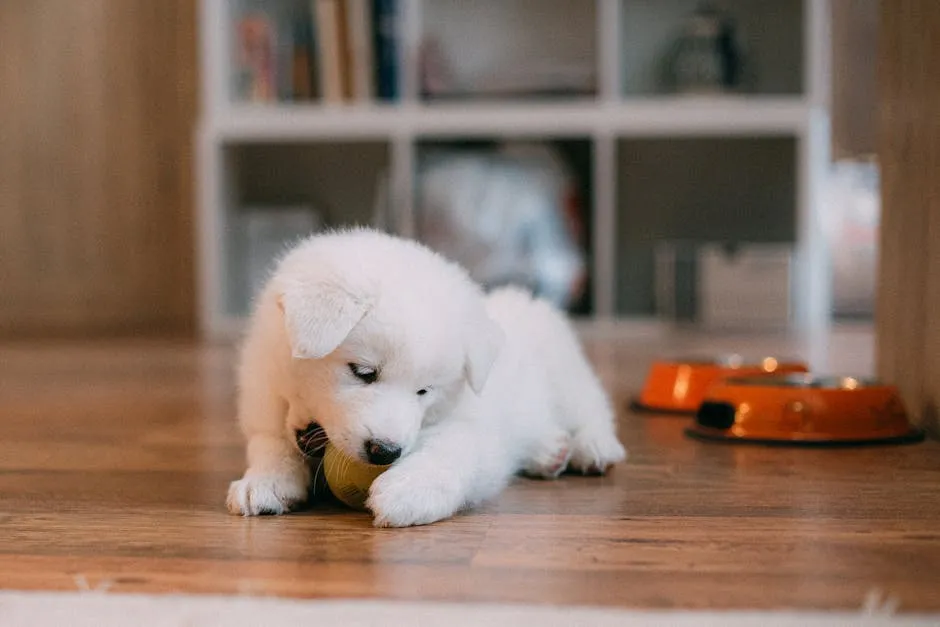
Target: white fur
<point>510,389</point>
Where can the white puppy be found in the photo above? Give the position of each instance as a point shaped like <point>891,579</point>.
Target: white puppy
<point>401,358</point>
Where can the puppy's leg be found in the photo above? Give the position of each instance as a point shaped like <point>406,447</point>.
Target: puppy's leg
<point>583,407</point>
<point>277,478</point>
<point>454,467</point>
<point>594,443</point>
<point>578,403</point>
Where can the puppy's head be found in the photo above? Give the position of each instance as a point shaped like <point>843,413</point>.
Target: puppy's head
<point>385,336</point>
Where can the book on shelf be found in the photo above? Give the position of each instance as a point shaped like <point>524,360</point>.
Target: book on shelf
<point>337,51</point>
<point>272,54</point>
<point>345,54</point>
<point>330,50</point>
<point>387,54</point>
<point>305,77</point>
<point>361,50</point>
<point>255,59</point>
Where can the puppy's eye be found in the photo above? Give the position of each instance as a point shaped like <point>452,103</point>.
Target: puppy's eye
<point>366,374</point>
<point>422,391</point>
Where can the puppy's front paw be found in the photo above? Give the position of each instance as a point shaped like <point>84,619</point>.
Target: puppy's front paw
<point>595,452</point>
<point>403,497</point>
<point>257,494</point>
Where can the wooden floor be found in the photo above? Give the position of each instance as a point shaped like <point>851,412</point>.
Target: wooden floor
<point>114,461</point>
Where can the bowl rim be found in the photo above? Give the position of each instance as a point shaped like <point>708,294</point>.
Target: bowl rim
<point>731,361</point>
<point>808,381</point>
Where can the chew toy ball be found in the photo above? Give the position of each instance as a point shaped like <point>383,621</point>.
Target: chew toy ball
<point>349,479</point>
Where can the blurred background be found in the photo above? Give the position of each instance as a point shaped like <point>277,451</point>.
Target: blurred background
<point>701,163</point>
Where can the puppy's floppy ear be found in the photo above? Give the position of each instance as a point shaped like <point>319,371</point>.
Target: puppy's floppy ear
<point>319,316</point>
<point>484,341</point>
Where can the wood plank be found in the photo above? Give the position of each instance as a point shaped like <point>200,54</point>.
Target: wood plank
<point>854,78</point>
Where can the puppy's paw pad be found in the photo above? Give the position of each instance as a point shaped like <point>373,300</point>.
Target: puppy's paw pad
<point>550,462</point>
<point>595,453</point>
<point>399,499</point>
<point>255,495</point>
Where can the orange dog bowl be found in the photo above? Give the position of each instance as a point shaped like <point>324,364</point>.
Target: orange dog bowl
<point>800,409</point>
<point>679,386</point>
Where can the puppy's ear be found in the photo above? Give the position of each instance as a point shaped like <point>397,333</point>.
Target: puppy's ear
<point>318,317</point>
<point>484,342</point>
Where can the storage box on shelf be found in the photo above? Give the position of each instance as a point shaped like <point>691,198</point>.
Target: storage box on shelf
<point>729,189</point>
<point>513,49</point>
<point>742,163</point>
<point>722,286</point>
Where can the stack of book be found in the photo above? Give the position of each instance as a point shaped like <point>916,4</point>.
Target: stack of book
<point>334,51</point>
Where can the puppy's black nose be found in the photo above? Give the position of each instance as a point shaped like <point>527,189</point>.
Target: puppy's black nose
<point>382,453</point>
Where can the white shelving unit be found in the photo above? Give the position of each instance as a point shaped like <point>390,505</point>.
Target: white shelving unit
<point>624,111</point>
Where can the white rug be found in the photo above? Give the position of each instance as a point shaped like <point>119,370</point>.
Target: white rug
<point>93,609</point>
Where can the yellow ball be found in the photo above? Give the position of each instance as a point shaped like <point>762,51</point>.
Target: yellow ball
<point>348,478</point>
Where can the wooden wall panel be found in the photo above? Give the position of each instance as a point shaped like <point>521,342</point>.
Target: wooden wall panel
<point>97,107</point>
<point>854,77</point>
<point>909,278</point>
